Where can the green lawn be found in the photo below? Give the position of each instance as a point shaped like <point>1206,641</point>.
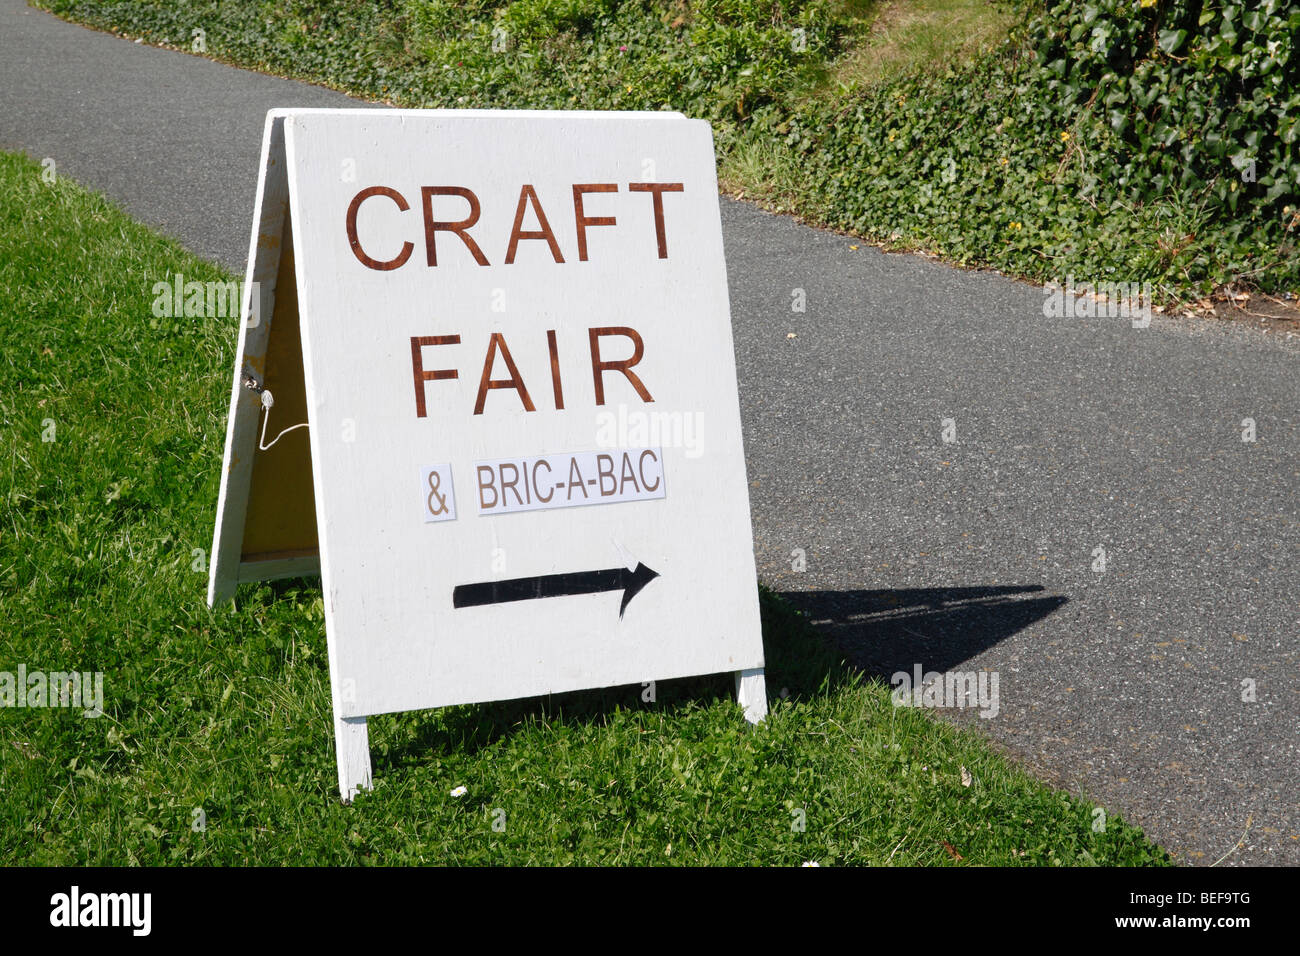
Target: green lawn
<point>113,429</point>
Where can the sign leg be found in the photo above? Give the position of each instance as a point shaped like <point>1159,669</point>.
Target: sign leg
<point>352,744</point>
<point>751,694</point>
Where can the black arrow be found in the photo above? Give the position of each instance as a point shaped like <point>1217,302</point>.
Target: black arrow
<point>555,585</point>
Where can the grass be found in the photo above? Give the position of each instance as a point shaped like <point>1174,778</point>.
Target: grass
<point>215,746</point>
<point>896,37</point>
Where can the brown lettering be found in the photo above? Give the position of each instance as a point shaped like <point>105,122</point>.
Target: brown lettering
<point>657,190</point>
<point>514,480</point>
<point>599,367</point>
<point>515,380</point>
<point>575,479</point>
<point>627,475</point>
<point>460,228</point>
<point>417,366</point>
<point>555,369</point>
<point>491,483</point>
<point>528,194</point>
<point>605,469</point>
<point>641,465</point>
<point>582,220</point>
<point>355,243</point>
<point>538,488</point>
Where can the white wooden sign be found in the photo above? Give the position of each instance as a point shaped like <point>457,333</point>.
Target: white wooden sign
<point>522,473</point>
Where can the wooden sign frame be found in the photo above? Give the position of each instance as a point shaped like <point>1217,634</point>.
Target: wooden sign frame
<point>269,505</point>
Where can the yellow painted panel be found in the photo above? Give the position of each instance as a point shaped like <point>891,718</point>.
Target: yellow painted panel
<point>281,504</point>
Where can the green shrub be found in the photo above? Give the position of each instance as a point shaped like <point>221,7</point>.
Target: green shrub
<point>718,59</point>
<point>1195,93</point>
<point>1111,139</point>
<point>1129,140</point>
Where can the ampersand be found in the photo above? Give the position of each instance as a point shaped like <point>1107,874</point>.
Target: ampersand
<point>435,482</point>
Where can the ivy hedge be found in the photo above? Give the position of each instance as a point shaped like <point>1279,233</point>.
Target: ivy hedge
<point>717,59</point>
<point>1113,140</point>
<point>1122,140</point>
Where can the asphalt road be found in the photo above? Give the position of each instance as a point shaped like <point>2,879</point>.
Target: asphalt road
<point>1071,434</point>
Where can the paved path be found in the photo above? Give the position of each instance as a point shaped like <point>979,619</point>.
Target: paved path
<point>1071,434</point>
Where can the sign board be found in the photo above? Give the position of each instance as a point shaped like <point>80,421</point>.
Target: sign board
<point>509,338</point>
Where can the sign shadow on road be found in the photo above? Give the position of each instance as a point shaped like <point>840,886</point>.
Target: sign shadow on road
<point>889,630</point>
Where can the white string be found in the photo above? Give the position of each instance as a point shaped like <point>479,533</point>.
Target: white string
<point>267,402</point>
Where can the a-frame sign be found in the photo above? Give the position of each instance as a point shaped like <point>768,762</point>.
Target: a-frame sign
<point>485,387</point>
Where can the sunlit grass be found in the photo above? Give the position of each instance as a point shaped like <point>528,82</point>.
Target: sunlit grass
<point>216,744</point>
<point>910,36</point>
